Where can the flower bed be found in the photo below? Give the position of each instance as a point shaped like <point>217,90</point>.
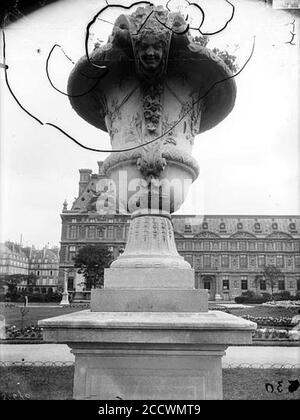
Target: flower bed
<point>31,332</point>
<point>270,320</point>
<point>283,303</point>
<point>275,334</point>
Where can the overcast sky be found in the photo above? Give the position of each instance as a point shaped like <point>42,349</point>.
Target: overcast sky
<point>249,163</point>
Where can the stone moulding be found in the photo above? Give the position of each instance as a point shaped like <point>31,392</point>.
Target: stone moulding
<point>171,154</point>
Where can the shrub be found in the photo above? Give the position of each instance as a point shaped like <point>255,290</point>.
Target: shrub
<point>267,296</point>
<point>240,299</point>
<point>251,297</point>
<point>283,295</point>
<point>249,294</point>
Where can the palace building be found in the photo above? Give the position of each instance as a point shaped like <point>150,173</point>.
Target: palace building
<point>227,252</point>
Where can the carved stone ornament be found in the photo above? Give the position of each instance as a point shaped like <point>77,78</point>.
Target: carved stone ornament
<point>151,96</point>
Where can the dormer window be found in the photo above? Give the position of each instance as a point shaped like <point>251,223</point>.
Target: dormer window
<point>240,226</point>
<point>204,225</point>
<point>222,226</point>
<point>274,226</point>
<point>257,226</point>
<point>187,228</point>
<point>292,226</point>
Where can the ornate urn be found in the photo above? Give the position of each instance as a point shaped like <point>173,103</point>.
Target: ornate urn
<point>149,334</point>
<point>153,90</point>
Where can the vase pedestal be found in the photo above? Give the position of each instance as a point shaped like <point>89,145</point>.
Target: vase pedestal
<point>149,334</point>
<point>148,355</point>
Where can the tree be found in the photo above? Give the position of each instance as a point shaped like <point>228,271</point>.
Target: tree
<point>257,280</point>
<point>91,261</point>
<point>271,275</point>
<point>229,59</point>
<point>13,280</point>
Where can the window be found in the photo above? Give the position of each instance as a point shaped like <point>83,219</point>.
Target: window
<point>204,225</point>
<point>281,285</point>
<point>244,283</point>
<point>274,226</point>
<point>225,261</point>
<point>225,283</point>
<point>279,261</point>
<point>262,284</point>
<point>257,226</point>
<point>260,246</point>
<point>261,260</point>
<point>278,246</point>
<point>297,260</point>
<point>91,232</point>
<point>110,232</point>
<point>180,245</point>
<point>252,246</point>
<point>189,259</point>
<point>206,284</point>
<point>100,232</point>
<point>291,284</point>
<point>234,246</point>
<point>198,262</point>
<point>242,246</point>
<point>288,246</point>
<point>188,246</point>
<point>119,233</point>
<point>72,251</point>
<point>298,283</point>
<point>187,228</point>
<point>224,246</point>
<point>206,261</point>
<point>197,245</point>
<point>222,226</point>
<point>292,226</point>
<point>240,226</point>
<point>243,261</point>
<point>206,246</point>
<point>73,232</point>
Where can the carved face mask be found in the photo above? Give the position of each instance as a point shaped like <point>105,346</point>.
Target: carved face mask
<point>150,53</point>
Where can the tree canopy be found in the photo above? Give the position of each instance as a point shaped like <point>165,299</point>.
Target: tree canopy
<point>271,275</point>
<point>91,261</point>
<point>229,59</point>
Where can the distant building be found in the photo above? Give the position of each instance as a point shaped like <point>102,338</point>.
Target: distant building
<point>44,264</point>
<point>15,259</point>
<point>227,252</point>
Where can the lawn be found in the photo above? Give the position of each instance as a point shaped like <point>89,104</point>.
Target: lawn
<point>42,311</point>
<point>51,382</point>
<point>35,313</point>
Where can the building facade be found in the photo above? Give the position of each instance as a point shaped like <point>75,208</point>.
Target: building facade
<point>44,264</point>
<point>15,259</point>
<point>227,252</point>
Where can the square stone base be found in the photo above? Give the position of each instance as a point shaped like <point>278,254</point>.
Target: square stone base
<point>165,373</point>
<point>148,355</point>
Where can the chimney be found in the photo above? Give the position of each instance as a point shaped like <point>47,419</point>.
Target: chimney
<point>85,175</point>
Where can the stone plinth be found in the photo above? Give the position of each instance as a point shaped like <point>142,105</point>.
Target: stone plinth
<point>148,355</point>
<point>149,300</point>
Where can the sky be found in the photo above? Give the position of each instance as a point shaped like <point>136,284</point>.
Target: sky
<point>249,163</point>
